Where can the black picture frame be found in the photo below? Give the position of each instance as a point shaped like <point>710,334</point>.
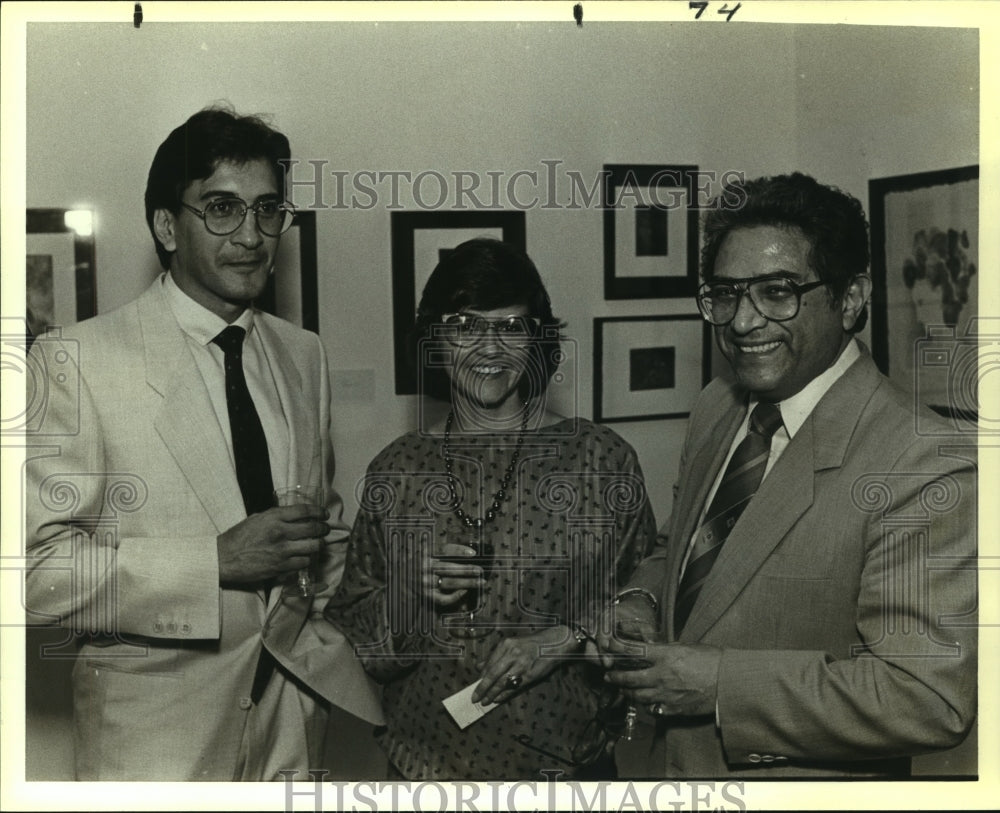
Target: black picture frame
<point>650,250</point>
<point>292,292</point>
<point>924,304</point>
<point>69,258</point>
<point>413,263</point>
<point>649,367</point>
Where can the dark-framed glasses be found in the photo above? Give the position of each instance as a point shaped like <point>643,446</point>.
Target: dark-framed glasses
<point>223,216</point>
<point>464,327</point>
<point>775,298</point>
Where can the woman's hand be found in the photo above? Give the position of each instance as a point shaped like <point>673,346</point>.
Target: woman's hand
<point>522,657</point>
<point>445,579</point>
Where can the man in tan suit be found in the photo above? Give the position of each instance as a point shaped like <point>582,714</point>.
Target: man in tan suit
<point>151,526</point>
<point>814,592</point>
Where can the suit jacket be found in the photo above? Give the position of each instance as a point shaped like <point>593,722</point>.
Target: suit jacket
<point>129,481</point>
<point>844,599</point>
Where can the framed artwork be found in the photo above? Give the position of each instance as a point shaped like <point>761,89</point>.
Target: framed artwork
<point>292,292</point>
<point>419,241</point>
<point>60,271</point>
<point>650,231</point>
<point>925,261</point>
<point>649,367</point>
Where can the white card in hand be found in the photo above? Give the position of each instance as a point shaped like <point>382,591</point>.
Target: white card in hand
<point>463,710</point>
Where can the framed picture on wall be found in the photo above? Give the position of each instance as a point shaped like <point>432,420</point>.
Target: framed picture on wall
<point>419,241</point>
<point>649,367</point>
<point>292,292</point>
<point>60,270</point>
<point>650,231</point>
<point>925,304</point>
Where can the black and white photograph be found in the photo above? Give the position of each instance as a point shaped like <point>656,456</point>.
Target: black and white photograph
<point>650,231</point>
<point>649,367</point>
<point>499,406</point>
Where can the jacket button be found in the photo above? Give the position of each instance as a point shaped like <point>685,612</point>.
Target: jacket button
<point>246,703</point>
<point>171,627</point>
<point>157,627</point>
<point>185,628</point>
<point>754,757</point>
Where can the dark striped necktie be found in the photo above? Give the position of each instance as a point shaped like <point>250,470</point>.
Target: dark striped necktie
<point>738,485</point>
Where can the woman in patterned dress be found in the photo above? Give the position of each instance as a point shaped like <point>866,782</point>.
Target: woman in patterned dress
<point>488,543</point>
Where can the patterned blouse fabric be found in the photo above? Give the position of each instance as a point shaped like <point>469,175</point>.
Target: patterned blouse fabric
<point>575,524</point>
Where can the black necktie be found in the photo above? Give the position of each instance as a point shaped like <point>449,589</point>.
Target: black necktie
<point>738,485</point>
<point>253,467</point>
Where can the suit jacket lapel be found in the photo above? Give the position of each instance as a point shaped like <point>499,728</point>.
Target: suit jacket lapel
<point>786,493</point>
<point>705,460</point>
<point>303,433</point>
<point>186,419</point>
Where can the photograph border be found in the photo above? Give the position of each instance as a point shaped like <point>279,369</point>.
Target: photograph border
<point>53,221</point>
<point>308,318</point>
<point>648,287</point>
<point>878,190</point>
<point>601,376</point>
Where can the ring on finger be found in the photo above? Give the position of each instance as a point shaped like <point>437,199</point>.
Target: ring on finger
<point>513,681</point>
<point>657,710</point>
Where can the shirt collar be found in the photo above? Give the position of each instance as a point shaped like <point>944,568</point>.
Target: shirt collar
<point>196,320</point>
<point>798,407</point>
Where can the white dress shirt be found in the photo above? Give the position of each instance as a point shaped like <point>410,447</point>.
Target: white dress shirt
<point>200,326</point>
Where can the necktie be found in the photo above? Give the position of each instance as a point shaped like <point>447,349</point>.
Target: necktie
<point>738,485</point>
<point>253,467</point>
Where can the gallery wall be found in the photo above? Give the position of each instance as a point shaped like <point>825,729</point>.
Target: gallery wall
<point>844,103</point>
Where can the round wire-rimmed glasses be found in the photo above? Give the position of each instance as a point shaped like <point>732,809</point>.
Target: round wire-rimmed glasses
<point>774,298</point>
<point>225,215</point>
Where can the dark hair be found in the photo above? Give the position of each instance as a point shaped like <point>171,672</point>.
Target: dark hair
<point>193,151</point>
<point>832,220</point>
<point>485,274</point>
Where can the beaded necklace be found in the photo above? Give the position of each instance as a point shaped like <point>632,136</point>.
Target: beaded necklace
<point>501,493</point>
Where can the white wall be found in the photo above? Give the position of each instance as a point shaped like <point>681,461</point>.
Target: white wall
<point>843,103</point>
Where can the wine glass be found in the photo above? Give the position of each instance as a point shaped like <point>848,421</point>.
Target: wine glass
<point>461,620</point>
<point>631,629</point>
<point>304,585</point>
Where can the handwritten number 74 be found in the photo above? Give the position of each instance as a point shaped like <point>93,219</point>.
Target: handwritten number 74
<point>701,5</point>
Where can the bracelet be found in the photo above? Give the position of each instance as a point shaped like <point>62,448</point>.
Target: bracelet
<point>638,591</point>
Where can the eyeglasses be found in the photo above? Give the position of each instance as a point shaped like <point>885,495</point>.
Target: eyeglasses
<point>775,298</point>
<point>464,327</point>
<point>225,215</point>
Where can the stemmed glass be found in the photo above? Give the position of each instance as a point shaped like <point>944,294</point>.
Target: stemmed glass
<point>304,586</point>
<point>630,629</point>
<point>462,621</point>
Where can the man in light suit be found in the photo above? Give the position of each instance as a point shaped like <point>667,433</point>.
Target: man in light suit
<point>151,531</point>
<point>819,621</point>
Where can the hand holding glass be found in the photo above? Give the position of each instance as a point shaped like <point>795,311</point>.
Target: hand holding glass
<point>631,629</point>
<point>304,585</point>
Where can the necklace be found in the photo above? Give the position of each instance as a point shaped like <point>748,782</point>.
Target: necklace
<point>501,494</point>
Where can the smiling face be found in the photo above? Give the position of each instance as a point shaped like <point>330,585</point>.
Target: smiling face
<point>774,360</point>
<point>223,273</point>
<point>487,369</point>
